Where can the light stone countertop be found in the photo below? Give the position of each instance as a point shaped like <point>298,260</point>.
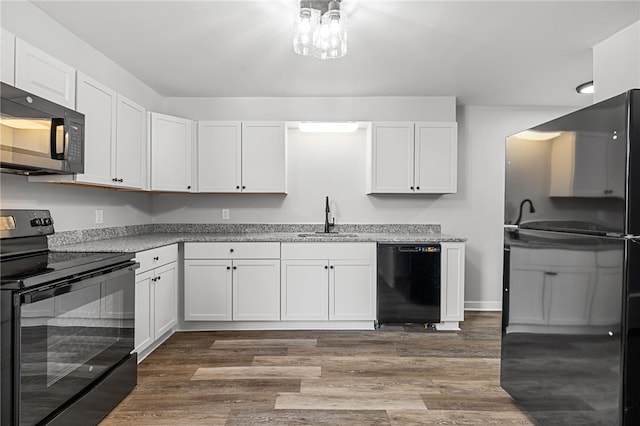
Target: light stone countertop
<point>147,241</point>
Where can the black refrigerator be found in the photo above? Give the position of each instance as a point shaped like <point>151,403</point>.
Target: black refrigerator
<point>571,278</point>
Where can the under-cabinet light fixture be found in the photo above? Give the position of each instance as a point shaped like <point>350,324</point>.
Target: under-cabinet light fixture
<point>320,127</point>
<point>534,135</point>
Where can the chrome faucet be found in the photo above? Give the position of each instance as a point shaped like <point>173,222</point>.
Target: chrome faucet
<point>531,209</point>
<point>328,225</point>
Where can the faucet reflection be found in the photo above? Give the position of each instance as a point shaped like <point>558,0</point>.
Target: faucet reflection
<point>531,209</point>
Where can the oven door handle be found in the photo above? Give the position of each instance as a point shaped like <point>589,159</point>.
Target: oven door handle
<point>78,282</point>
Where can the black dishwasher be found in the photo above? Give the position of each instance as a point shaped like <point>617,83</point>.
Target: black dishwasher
<point>408,283</point>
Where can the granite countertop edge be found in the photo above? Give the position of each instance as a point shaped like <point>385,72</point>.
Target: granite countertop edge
<point>147,241</point>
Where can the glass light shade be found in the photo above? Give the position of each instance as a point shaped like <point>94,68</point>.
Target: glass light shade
<point>305,31</point>
<point>331,42</point>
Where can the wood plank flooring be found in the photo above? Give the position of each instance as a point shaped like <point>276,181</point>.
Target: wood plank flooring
<point>398,375</point>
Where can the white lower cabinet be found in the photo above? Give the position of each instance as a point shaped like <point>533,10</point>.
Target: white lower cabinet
<point>305,290</point>
<point>232,281</point>
<point>352,289</point>
<point>144,324</point>
<point>328,281</point>
<point>207,292</point>
<point>156,295</point>
<point>451,285</point>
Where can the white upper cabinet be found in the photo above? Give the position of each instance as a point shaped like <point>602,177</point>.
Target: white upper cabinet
<point>391,156</point>
<point>241,157</point>
<point>412,158</point>
<point>171,153</point>
<point>130,147</point>
<point>219,156</point>
<point>98,104</point>
<point>263,157</point>
<point>7,60</point>
<point>114,139</point>
<point>41,74</point>
<point>436,158</point>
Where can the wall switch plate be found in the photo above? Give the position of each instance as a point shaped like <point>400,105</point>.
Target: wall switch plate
<point>225,214</point>
<point>99,216</point>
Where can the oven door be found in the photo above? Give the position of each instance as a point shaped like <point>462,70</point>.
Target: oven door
<point>71,333</point>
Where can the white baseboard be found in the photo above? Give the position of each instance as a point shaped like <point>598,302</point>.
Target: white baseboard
<point>482,305</point>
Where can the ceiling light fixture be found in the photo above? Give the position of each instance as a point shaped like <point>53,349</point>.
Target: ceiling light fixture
<point>585,88</point>
<point>320,29</point>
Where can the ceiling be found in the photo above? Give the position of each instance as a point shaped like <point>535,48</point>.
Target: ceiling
<point>485,53</point>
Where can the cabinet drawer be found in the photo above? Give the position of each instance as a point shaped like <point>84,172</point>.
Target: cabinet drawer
<point>329,251</point>
<point>232,250</point>
<point>156,257</point>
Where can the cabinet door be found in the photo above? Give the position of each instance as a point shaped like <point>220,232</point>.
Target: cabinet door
<point>7,60</point>
<point>305,290</point>
<point>170,153</point>
<point>263,157</point>
<point>526,297</point>
<point>256,290</point>
<point>607,297</point>
<point>165,313</point>
<point>590,167</point>
<point>436,157</point>
<point>452,281</point>
<point>144,312</point>
<point>207,290</point>
<point>392,158</point>
<point>587,165</point>
<point>352,290</point>
<point>130,164</point>
<point>219,156</point>
<point>41,74</point>
<point>571,290</point>
<point>98,104</point>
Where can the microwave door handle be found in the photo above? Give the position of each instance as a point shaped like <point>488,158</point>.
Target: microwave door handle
<point>55,124</point>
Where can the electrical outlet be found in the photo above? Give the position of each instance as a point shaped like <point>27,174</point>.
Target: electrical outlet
<point>99,216</point>
<point>225,214</point>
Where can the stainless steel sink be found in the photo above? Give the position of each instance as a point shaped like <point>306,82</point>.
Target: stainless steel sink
<point>327,234</point>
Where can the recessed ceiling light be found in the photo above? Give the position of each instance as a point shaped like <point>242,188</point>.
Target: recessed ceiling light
<point>585,88</point>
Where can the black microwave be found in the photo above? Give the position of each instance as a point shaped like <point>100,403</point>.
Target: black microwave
<point>39,136</point>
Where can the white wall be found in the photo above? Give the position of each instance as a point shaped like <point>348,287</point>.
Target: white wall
<point>616,63</point>
<point>73,207</point>
<point>30,24</point>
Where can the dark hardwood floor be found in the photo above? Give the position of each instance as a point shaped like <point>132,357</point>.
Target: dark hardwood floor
<point>398,375</point>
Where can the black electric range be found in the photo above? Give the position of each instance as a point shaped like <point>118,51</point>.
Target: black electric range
<point>66,329</point>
